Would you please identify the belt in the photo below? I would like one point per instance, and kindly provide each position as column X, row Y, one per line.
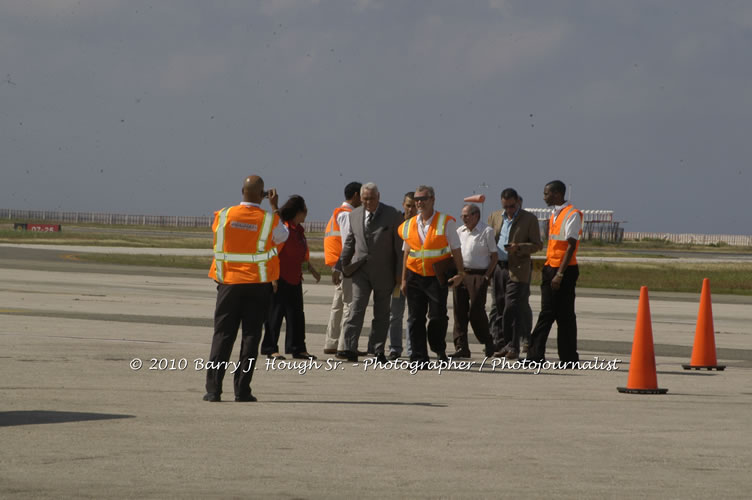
column 475, row 271
column 504, row 264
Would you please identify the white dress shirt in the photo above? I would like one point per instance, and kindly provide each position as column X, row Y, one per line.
column 477, row 245
column 279, row 233
column 572, row 225
column 450, row 230
column 343, row 221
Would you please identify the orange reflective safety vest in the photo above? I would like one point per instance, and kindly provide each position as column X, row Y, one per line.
column 244, row 251
column 557, row 241
column 434, row 248
column 333, row 237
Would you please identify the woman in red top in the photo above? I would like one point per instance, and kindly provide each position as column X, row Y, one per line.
column 287, row 302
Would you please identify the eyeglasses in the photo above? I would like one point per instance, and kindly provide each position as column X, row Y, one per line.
column 421, row 198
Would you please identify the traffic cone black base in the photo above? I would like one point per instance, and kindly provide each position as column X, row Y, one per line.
column 720, row 368
column 626, row 390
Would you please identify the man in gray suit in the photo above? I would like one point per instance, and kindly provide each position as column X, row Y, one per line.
column 372, row 257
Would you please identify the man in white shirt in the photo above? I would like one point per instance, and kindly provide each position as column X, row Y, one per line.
column 342, row 286
column 559, row 278
column 479, row 257
column 430, row 238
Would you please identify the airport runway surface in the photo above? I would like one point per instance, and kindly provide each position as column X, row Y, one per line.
column 78, row 421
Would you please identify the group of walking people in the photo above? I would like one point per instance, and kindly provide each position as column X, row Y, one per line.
column 411, row 258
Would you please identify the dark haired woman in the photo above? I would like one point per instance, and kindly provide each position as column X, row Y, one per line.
column 287, row 302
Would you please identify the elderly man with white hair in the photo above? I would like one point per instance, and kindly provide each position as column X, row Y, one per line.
column 372, row 257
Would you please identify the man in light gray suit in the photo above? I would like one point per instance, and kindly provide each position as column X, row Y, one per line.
column 372, row 257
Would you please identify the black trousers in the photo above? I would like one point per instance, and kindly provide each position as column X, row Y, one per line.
column 516, row 306
column 426, row 298
column 286, row 304
column 469, row 299
column 496, row 316
column 247, row 304
column 556, row 306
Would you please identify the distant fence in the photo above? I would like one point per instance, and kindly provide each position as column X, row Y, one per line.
column 697, row 239
column 106, row 218
column 598, row 225
column 122, row 219
column 587, row 215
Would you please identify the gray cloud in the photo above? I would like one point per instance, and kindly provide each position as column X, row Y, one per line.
column 643, row 107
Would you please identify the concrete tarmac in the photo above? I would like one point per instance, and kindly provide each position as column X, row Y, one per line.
column 78, row 421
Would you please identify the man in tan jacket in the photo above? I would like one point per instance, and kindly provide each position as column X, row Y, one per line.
column 518, row 236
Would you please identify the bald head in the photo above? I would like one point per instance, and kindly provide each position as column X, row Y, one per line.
column 253, row 189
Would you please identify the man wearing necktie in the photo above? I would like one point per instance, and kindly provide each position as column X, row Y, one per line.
column 372, row 257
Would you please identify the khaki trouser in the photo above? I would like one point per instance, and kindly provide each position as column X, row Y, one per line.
column 340, row 309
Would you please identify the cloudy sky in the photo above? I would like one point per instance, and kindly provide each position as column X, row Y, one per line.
column 163, row 107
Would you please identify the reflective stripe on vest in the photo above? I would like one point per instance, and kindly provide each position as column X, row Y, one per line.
column 441, row 225
column 571, row 211
column 423, row 254
column 406, row 229
column 557, row 241
column 260, row 258
column 333, row 236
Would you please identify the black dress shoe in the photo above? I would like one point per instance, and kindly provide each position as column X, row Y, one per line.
column 363, row 353
column 250, row 398
column 347, row 356
column 461, row 354
column 212, row 397
column 380, row 358
column 504, row 351
column 393, row 356
column 490, row 350
column 303, row 355
column 443, row 357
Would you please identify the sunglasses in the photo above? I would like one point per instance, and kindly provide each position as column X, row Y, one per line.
column 507, row 207
column 422, row 198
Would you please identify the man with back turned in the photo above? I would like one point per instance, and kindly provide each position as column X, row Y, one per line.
column 245, row 267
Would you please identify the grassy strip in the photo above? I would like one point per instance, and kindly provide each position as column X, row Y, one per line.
column 726, row 278
column 657, row 244
column 315, row 240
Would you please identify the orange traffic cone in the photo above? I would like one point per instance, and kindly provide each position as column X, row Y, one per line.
column 642, row 377
column 703, row 352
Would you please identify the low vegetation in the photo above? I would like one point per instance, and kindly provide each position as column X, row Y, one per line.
column 671, row 275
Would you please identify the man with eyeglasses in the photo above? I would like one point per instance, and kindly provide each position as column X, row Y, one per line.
column 518, row 236
column 479, row 259
column 430, row 239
